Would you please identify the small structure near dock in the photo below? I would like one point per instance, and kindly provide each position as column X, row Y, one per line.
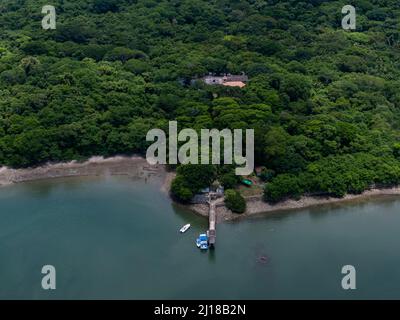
column 203, row 196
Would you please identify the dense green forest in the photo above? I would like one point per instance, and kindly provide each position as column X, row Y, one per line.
column 324, row 102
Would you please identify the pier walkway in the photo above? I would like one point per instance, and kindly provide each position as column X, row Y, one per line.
column 212, row 218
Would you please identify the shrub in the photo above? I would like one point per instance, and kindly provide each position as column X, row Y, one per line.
column 180, row 191
column 124, row 54
column 266, row 174
column 283, row 186
column 234, row 201
column 103, row 6
column 229, row 180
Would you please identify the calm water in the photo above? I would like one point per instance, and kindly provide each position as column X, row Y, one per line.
column 118, row 238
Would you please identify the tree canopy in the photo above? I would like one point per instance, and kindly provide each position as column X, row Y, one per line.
column 323, row 101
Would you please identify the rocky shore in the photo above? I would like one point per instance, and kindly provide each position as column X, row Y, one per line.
column 256, row 205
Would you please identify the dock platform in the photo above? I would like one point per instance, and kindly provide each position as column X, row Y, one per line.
column 212, row 223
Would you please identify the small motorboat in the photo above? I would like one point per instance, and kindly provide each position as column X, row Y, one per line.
column 202, row 242
column 184, row 228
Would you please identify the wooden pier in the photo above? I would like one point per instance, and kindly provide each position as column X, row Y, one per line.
column 212, row 230
column 212, row 219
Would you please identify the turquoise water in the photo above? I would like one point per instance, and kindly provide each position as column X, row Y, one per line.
column 116, row 238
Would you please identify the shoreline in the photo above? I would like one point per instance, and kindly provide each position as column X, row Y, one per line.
column 136, row 167
column 257, row 207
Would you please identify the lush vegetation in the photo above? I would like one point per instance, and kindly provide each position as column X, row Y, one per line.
column 324, row 102
column 336, row 176
column 234, row 201
column 190, row 179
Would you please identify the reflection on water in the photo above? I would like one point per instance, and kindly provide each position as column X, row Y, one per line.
column 212, row 255
column 119, row 238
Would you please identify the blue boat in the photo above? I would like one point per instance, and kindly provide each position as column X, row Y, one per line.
column 202, row 242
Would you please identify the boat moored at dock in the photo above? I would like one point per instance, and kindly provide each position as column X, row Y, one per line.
column 202, row 242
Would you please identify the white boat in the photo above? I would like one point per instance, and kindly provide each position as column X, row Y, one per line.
column 185, row 228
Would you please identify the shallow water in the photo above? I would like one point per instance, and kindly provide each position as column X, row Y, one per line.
column 117, row 238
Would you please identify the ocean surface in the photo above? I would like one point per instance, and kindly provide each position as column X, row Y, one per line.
column 118, row 238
